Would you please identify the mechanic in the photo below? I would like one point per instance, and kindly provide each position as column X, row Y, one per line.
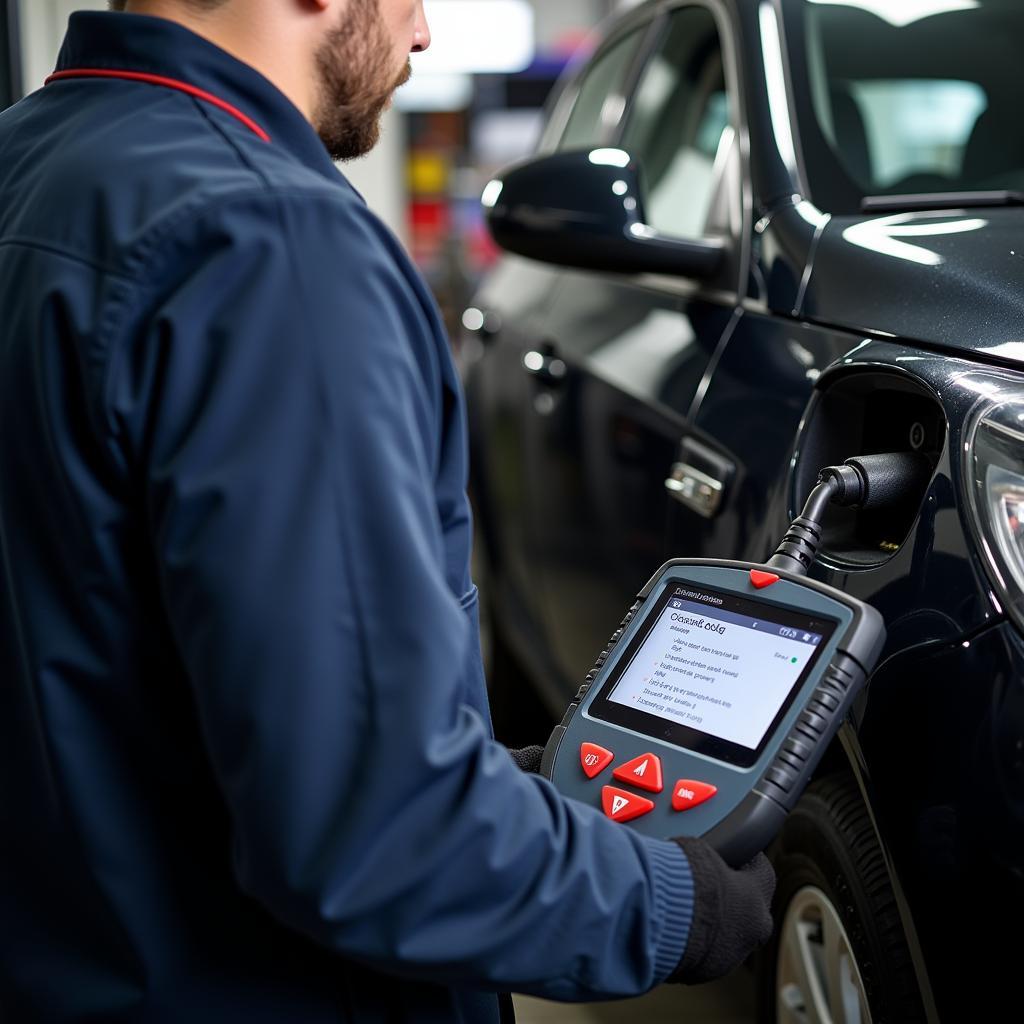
column 247, row 765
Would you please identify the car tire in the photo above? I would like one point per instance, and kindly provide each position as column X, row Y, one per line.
column 839, row 953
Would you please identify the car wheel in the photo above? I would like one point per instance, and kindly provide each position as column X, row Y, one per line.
column 839, row 954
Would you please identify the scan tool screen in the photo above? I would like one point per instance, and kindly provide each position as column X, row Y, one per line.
column 712, row 672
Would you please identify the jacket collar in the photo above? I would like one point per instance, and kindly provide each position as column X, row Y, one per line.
column 158, row 46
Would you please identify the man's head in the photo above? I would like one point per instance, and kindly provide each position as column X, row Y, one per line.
column 340, row 61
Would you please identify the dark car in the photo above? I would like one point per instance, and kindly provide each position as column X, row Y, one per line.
column 761, row 238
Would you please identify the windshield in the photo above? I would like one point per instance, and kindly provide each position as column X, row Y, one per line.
column 901, row 97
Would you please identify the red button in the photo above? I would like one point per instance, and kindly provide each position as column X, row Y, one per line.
column 643, row 771
column 762, row 579
column 622, row 806
column 594, row 759
column 687, row 793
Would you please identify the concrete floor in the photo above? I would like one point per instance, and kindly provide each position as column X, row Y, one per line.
column 720, row 1003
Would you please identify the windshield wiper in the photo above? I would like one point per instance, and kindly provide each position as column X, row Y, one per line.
column 941, row 201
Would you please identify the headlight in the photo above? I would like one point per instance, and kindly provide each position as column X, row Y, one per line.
column 994, row 473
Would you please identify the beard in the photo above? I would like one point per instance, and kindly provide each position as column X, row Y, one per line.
column 357, row 81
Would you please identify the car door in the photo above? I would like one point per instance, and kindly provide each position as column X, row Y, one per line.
column 506, row 324
column 621, row 359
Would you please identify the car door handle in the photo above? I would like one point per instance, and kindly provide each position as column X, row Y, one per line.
column 545, row 366
column 696, row 490
column 701, row 487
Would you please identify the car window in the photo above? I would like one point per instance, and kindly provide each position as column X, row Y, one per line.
column 898, row 101
column 601, row 100
column 677, row 122
column 913, row 126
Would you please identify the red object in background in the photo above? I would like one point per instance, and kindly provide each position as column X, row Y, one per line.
column 429, row 227
column 429, row 215
column 574, row 43
column 484, row 251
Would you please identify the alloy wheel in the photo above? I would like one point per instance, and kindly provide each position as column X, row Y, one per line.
column 818, row 980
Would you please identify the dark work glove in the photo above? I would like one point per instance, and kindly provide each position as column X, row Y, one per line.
column 731, row 914
column 528, row 759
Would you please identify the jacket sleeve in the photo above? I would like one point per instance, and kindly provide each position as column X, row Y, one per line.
column 277, row 405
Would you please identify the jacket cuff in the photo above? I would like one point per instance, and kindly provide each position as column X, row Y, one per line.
column 673, row 902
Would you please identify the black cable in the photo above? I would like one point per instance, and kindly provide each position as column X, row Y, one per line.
column 869, row 481
column 799, row 547
column 872, row 481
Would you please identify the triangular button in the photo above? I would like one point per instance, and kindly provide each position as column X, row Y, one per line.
column 762, row 579
column 594, row 759
column 643, row 771
column 622, row 806
column 687, row 793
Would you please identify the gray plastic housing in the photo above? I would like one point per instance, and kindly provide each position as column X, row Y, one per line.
column 751, row 803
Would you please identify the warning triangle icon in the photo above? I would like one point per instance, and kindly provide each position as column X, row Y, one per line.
column 644, row 772
column 618, row 802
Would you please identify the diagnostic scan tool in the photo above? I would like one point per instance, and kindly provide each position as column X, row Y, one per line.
column 723, row 686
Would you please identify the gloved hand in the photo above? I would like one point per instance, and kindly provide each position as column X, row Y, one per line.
column 528, row 759
column 731, row 915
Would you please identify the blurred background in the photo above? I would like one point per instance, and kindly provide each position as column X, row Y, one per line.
column 475, row 103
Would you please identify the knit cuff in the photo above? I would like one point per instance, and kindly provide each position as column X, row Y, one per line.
column 528, row 759
column 673, row 903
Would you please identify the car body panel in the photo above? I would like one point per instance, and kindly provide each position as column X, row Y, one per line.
column 606, row 437
column 501, row 421
column 965, row 266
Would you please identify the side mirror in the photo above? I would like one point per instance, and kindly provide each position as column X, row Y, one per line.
column 586, row 209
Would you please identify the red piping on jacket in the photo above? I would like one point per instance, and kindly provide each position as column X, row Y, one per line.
column 167, row 83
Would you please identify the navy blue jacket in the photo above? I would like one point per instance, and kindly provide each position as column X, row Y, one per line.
column 246, row 770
